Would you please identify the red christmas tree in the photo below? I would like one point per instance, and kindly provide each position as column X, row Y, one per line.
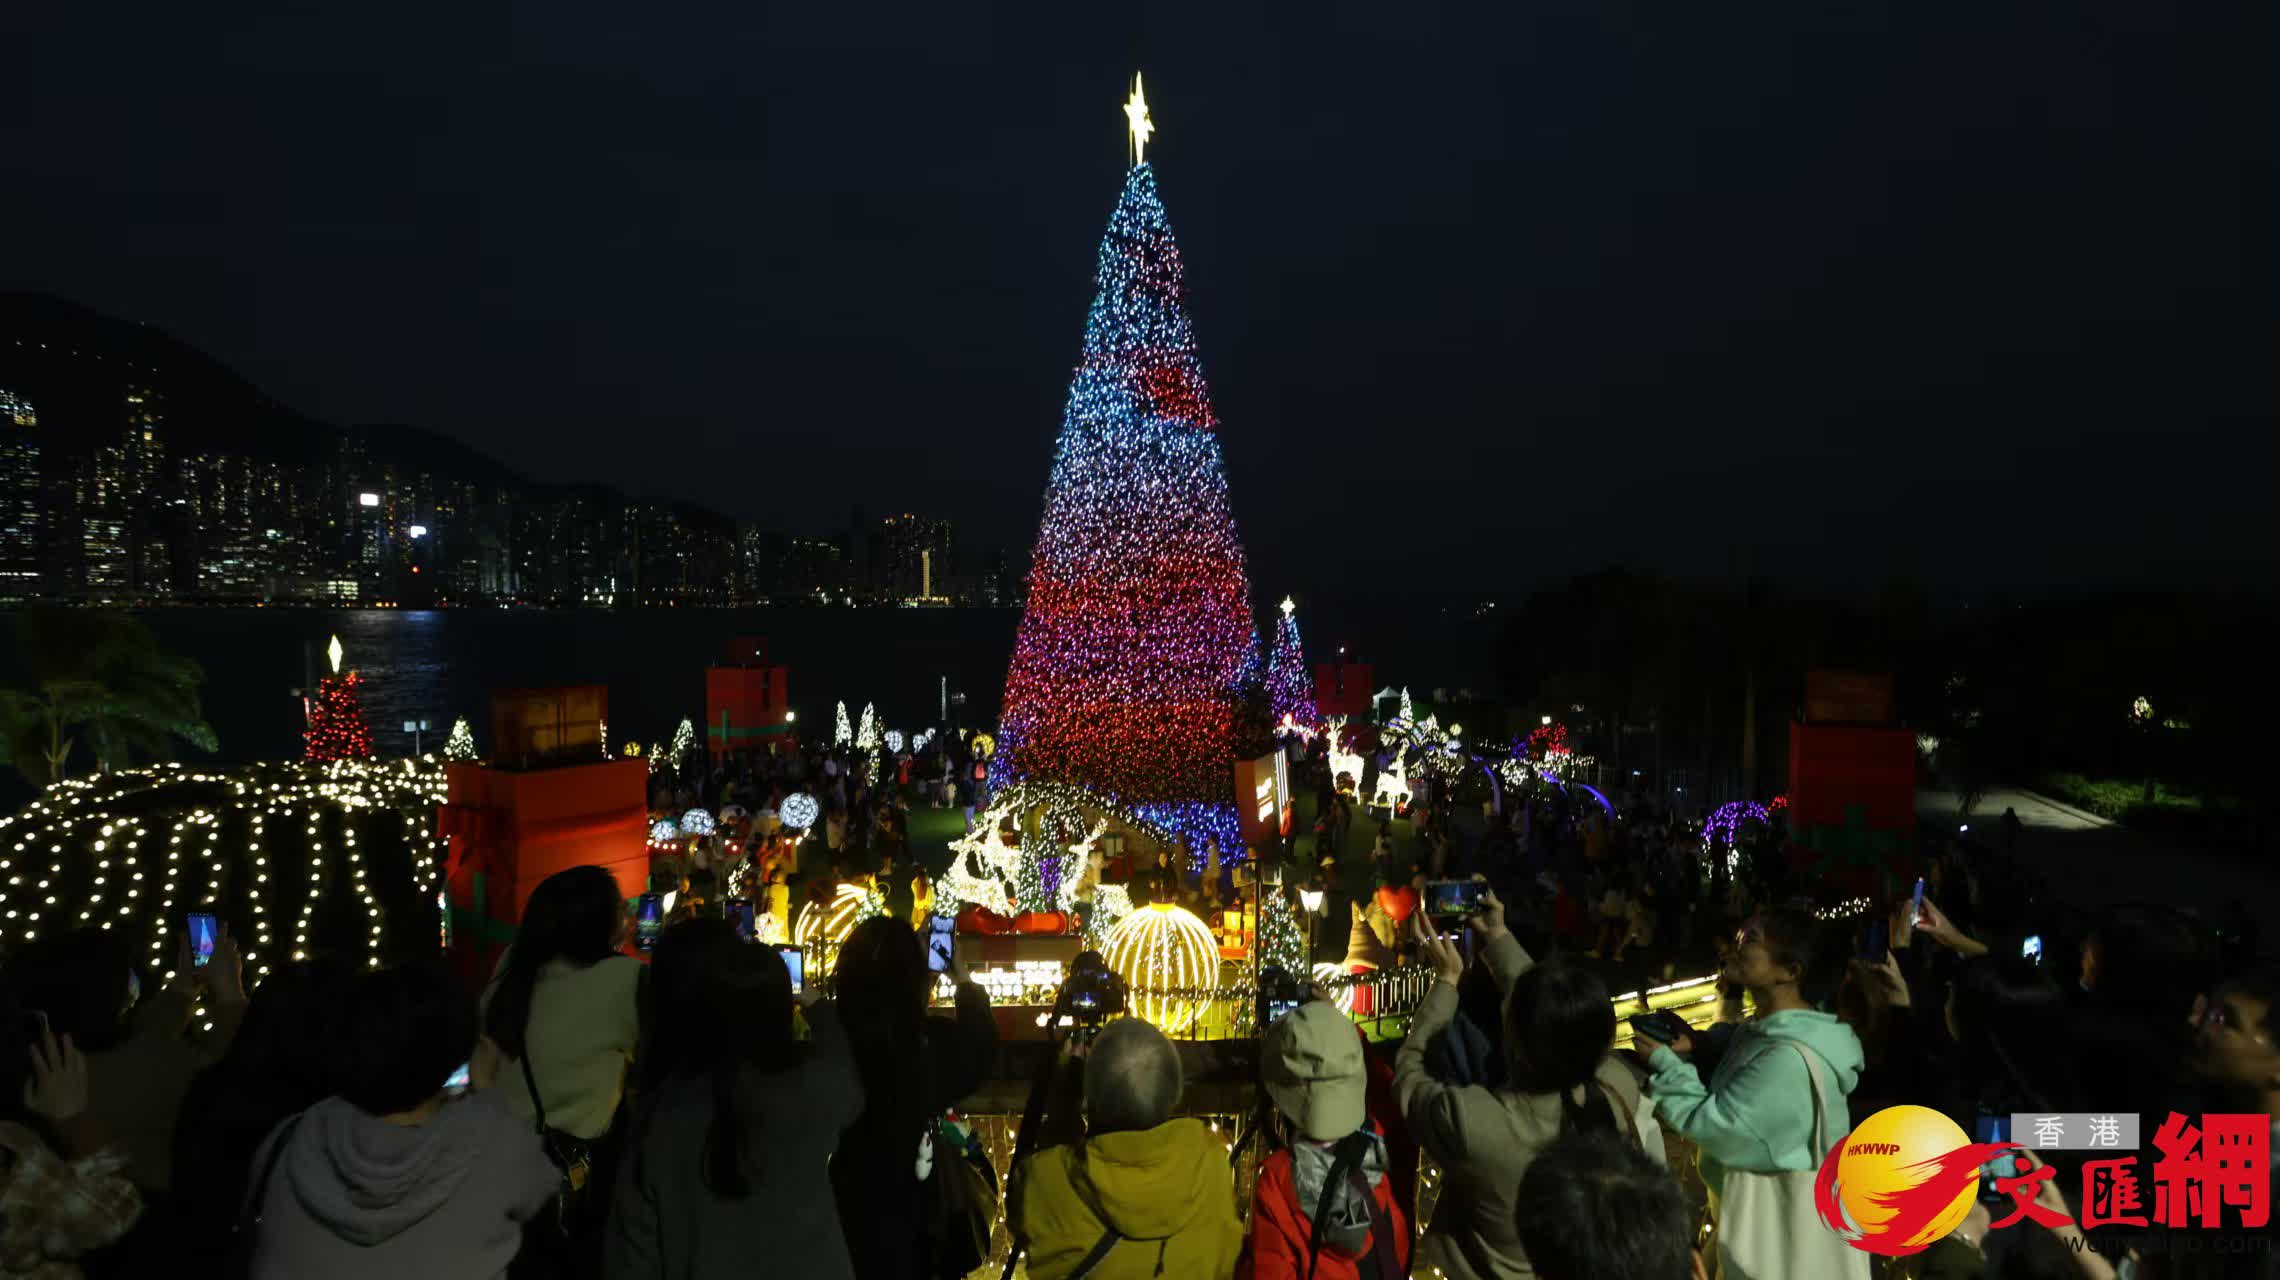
column 336, row 720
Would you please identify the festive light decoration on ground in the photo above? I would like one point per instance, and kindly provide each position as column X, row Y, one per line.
column 664, row 831
column 348, row 878
column 1342, row 760
column 697, row 822
column 1138, row 630
column 1290, row 686
column 1392, row 791
column 461, row 744
column 895, row 741
column 337, row 730
column 799, row 811
column 830, row 923
column 1158, row 950
column 1282, row 938
column 841, row 734
column 1723, row 829
column 1051, row 807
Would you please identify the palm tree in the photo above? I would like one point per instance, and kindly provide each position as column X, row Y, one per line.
column 96, row 678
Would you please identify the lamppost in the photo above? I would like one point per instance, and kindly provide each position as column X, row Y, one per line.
column 416, row 728
column 1310, row 897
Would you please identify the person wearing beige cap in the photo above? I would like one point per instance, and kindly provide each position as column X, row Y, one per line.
column 1323, row 1208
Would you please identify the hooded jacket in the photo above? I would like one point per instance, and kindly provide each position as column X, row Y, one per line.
column 353, row 1196
column 1166, row 1191
column 1282, row 1217
column 1756, row 1113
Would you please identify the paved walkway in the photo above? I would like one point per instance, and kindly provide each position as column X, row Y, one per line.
column 2091, row 863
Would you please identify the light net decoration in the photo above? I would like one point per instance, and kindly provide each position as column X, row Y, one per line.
column 1138, row 627
column 1163, row 953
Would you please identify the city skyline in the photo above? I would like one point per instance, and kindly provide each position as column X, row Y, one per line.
column 114, row 498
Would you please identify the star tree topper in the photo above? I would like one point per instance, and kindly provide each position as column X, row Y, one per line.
column 1136, row 119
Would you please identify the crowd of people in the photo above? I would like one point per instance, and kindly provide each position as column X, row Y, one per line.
column 585, row 1112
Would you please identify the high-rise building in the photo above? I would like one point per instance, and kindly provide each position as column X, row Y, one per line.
column 20, row 506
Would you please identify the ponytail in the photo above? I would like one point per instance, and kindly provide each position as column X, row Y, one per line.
column 1595, row 1114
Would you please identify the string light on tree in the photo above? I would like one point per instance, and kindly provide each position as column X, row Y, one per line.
column 684, row 743
column 461, row 744
column 1290, row 690
column 336, row 729
column 1137, row 632
column 1282, row 938
column 841, row 734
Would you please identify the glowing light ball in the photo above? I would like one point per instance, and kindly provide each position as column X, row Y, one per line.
column 895, row 741
column 1903, row 1179
column 696, row 822
column 1156, row 950
column 984, row 745
column 664, row 831
column 799, row 811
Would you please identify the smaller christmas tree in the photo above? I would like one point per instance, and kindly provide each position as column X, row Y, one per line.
column 867, row 732
column 1290, row 694
column 336, row 720
column 841, row 735
column 461, row 744
column 684, row 743
column 1282, row 939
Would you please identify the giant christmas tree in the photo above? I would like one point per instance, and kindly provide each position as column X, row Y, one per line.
column 1138, row 628
column 1290, row 691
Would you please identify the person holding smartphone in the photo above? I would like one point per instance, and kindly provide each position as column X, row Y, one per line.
column 1561, row 1077
column 141, row 1052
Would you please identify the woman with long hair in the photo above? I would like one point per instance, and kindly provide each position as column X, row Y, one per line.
column 1560, row 1077
column 912, row 1068
column 738, row 1119
column 561, row 1024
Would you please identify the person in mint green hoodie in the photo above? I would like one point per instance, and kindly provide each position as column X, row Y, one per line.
column 1756, row 1111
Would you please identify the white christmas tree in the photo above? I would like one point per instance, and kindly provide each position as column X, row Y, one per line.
column 841, row 735
column 867, row 734
column 684, row 743
column 461, row 744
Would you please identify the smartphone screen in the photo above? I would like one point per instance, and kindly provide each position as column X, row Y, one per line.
column 1875, row 941
column 740, row 918
column 941, row 938
column 796, row 961
column 203, row 931
column 2031, row 948
column 1988, row 1127
column 1277, row 1008
column 648, row 921
column 458, row 1083
column 1916, row 903
column 1452, row 897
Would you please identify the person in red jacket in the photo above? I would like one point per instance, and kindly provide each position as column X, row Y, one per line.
column 1323, row 1208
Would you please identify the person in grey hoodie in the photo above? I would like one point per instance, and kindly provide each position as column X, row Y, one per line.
column 394, row 1176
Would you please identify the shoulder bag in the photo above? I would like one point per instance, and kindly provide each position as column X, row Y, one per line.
column 1767, row 1227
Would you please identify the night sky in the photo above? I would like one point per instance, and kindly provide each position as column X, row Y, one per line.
column 1822, row 292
